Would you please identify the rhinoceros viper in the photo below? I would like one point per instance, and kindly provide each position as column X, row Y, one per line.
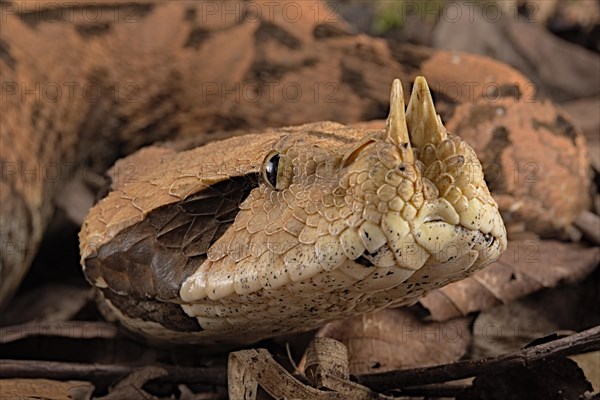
column 80, row 91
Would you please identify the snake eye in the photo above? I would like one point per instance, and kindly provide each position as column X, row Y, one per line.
column 271, row 165
column 276, row 171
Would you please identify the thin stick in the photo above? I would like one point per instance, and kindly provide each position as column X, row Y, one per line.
column 66, row 329
column 443, row 390
column 104, row 372
column 582, row 342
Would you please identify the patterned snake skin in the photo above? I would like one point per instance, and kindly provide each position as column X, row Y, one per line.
column 85, row 84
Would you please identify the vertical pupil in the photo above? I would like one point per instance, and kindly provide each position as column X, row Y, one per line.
column 271, row 170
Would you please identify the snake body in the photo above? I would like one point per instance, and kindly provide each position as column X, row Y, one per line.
column 79, row 92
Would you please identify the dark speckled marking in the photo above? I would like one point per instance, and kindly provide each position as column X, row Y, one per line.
column 221, row 123
column 444, row 104
column 269, row 30
column 190, row 14
column 356, row 81
column 128, row 12
column 324, row 31
column 5, row 55
column 196, row 37
column 481, row 113
column 560, row 127
column 411, row 58
column 362, row 260
column 505, row 90
column 500, row 140
column 491, row 155
column 90, row 30
column 262, row 72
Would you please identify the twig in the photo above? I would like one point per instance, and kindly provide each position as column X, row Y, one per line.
column 582, row 342
column 443, row 390
column 67, row 329
column 105, row 372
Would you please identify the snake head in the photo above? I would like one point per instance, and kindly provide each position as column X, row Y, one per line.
column 347, row 221
column 299, row 226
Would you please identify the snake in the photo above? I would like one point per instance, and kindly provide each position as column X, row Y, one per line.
column 281, row 229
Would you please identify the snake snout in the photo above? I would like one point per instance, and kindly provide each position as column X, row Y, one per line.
column 421, row 210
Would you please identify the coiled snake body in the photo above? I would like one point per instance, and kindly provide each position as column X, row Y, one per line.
column 263, row 234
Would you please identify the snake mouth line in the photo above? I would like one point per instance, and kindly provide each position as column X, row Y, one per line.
column 472, row 239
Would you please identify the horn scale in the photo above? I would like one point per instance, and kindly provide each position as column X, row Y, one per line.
column 422, row 120
column 419, row 124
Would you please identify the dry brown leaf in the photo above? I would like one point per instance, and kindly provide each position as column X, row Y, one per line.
column 507, row 328
column 52, row 302
column 395, row 339
column 590, row 365
column 525, row 267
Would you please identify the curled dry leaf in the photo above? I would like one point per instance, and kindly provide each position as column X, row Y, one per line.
column 249, row 369
column 392, row 339
column 525, row 267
